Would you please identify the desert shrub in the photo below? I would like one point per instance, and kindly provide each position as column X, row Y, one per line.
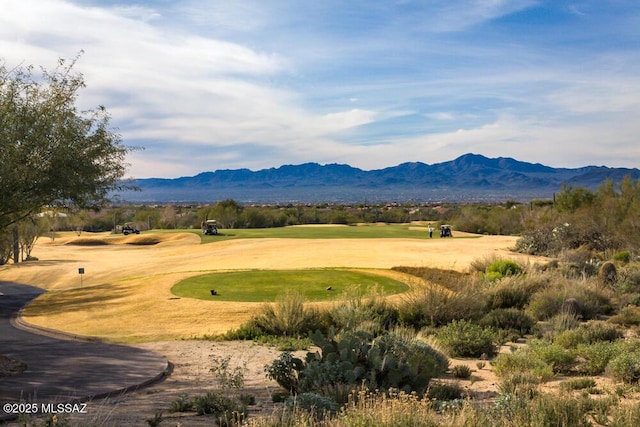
column 288, row 316
column 439, row 390
column 227, row 411
column 538, row 240
column 566, row 320
column 578, row 256
column 521, row 361
column 356, row 310
column 627, row 316
column 625, row 415
column 465, row 339
column 594, row 301
column 590, row 300
column 246, row 331
column 386, row 410
column 508, row 297
column 181, row 404
column 608, row 273
column 461, row 371
column 628, row 279
column 548, row 409
column 519, row 384
column 577, row 384
column 319, row 407
column 546, row 303
column 285, row 370
column 480, row 265
column 625, row 367
column 622, row 256
column 508, row 319
column 504, row 268
column 592, row 359
column 588, row 333
column 436, row 306
column 228, row 377
column 560, row 359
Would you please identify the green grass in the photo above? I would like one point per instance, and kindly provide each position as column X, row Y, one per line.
column 265, row 286
column 372, row 231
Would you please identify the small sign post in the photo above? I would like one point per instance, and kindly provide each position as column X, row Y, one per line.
column 81, row 272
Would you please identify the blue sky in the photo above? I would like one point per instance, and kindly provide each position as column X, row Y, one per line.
column 206, row 85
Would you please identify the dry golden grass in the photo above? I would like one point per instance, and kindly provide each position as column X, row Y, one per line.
column 124, row 294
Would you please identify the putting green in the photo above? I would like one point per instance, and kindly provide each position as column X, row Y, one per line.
column 267, row 285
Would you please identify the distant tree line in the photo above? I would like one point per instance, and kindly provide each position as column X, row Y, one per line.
column 578, row 218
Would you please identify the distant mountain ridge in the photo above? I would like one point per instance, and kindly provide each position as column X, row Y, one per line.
column 470, row 177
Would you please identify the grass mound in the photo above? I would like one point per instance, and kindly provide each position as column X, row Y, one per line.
column 266, row 285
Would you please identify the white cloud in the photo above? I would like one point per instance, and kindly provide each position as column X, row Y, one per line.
column 208, row 85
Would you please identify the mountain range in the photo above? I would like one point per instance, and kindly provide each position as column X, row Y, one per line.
column 470, row 177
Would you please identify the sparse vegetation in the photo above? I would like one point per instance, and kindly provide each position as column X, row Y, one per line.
column 574, row 318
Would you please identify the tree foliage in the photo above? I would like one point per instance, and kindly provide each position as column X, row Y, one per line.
column 50, row 152
column 608, row 218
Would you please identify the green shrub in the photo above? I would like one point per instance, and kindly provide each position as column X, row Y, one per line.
column 465, row 339
column 594, row 358
column 522, row 361
column 461, row 371
column 625, row 367
column 566, row 320
column 504, row 268
column 548, row 409
column 577, row 384
column 558, row 358
column 285, row 370
column 228, row 377
column 545, row 304
column 316, row 405
column 625, row 415
column 181, row 404
column 227, row 410
column 622, row 256
column 439, row 390
column 519, row 384
column 627, row 316
column 436, row 306
column 590, row 301
column 588, row 333
column 357, row 310
column 288, row 316
column 508, row 297
column 509, row 319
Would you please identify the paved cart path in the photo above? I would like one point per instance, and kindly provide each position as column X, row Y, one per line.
column 63, row 370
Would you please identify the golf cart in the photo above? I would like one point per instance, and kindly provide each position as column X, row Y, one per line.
column 210, row 227
column 129, row 229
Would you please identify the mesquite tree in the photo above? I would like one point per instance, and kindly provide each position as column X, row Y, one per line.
column 52, row 154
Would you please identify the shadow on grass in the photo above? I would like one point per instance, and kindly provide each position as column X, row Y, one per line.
column 80, row 299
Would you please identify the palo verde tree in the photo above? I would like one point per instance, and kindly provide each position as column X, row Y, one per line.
column 52, row 154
